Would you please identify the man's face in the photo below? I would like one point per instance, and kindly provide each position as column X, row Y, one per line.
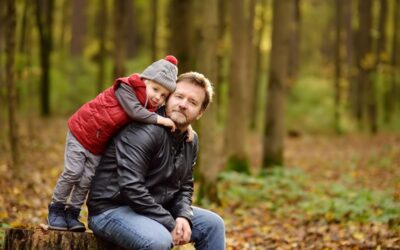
column 185, row 105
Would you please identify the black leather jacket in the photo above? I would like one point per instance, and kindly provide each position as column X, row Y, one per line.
column 149, row 169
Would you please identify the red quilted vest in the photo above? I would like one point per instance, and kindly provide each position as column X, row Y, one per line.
column 98, row 120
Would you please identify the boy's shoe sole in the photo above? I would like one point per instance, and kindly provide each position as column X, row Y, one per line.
column 77, row 229
column 58, row 228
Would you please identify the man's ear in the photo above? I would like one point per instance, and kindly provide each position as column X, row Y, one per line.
column 200, row 114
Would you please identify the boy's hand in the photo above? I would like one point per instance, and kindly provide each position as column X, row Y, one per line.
column 190, row 134
column 166, row 122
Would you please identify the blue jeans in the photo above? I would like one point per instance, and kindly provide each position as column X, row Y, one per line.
column 130, row 230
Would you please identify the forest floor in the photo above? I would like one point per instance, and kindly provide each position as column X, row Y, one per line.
column 372, row 163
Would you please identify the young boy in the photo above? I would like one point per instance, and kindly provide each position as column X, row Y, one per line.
column 133, row 98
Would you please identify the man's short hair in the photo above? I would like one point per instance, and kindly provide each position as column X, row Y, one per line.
column 200, row 80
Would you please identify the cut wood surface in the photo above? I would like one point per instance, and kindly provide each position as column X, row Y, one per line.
column 41, row 239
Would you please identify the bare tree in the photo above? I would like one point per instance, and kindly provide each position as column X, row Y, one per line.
column 102, row 18
column 11, row 84
column 258, row 63
column 119, row 42
column 221, row 54
column 211, row 159
column 238, row 115
column 2, row 70
column 154, row 30
column 278, row 83
column 78, row 27
column 181, row 27
column 338, row 65
column 366, row 87
column 295, row 42
column 130, row 30
column 44, row 19
column 393, row 91
column 250, row 54
column 381, row 50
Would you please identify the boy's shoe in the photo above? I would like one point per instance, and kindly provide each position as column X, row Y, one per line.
column 72, row 218
column 56, row 217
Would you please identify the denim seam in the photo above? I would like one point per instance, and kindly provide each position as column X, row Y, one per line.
column 146, row 242
column 204, row 233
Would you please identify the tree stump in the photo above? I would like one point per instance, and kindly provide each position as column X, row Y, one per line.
column 39, row 239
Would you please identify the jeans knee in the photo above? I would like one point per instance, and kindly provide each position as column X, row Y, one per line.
column 161, row 244
column 218, row 224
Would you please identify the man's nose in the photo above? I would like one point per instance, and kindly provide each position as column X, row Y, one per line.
column 183, row 104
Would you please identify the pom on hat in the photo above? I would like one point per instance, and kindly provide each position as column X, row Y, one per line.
column 172, row 59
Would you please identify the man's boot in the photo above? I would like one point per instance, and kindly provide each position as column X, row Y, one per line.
column 56, row 217
column 72, row 218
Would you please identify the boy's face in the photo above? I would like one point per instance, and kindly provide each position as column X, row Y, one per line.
column 156, row 93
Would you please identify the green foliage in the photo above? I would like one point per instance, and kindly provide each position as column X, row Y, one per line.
column 237, row 164
column 289, row 192
column 74, row 84
column 310, row 105
column 3, row 226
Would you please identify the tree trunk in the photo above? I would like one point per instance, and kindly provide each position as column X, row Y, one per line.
column 381, row 48
column 221, row 57
column 238, row 114
column 37, row 239
column 250, row 54
column 211, row 138
column 44, row 17
column 119, row 41
column 64, row 23
column 180, row 39
column 130, row 29
column 365, row 67
column 278, row 83
column 295, row 43
column 350, row 57
column 102, row 18
column 257, row 66
column 394, row 88
column 3, row 87
column 396, row 58
column 338, row 64
column 10, row 31
column 154, row 30
column 381, row 51
column 78, row 27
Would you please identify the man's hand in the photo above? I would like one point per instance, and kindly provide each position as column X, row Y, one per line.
column 166, row 122
column 182, row 232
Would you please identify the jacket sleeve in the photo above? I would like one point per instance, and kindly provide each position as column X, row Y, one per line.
column 183, row 200
column 131, row 105
column 134, row 150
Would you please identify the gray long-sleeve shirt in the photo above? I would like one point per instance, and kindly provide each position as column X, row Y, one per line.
column 131, row 105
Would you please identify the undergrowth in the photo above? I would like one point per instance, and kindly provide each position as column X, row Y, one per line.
column 289, row 192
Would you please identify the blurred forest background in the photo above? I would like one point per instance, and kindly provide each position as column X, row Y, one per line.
column 301, row 146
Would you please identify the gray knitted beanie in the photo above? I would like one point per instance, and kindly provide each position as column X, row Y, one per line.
column 163, row 71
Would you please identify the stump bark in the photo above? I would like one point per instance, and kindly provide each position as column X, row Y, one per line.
column 39, row 239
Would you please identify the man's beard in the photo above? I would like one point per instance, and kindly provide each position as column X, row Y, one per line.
column 178, row 117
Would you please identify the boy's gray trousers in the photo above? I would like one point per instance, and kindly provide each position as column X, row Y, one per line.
column 79, row 167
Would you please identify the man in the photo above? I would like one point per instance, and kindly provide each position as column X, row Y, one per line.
column 141, row 194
